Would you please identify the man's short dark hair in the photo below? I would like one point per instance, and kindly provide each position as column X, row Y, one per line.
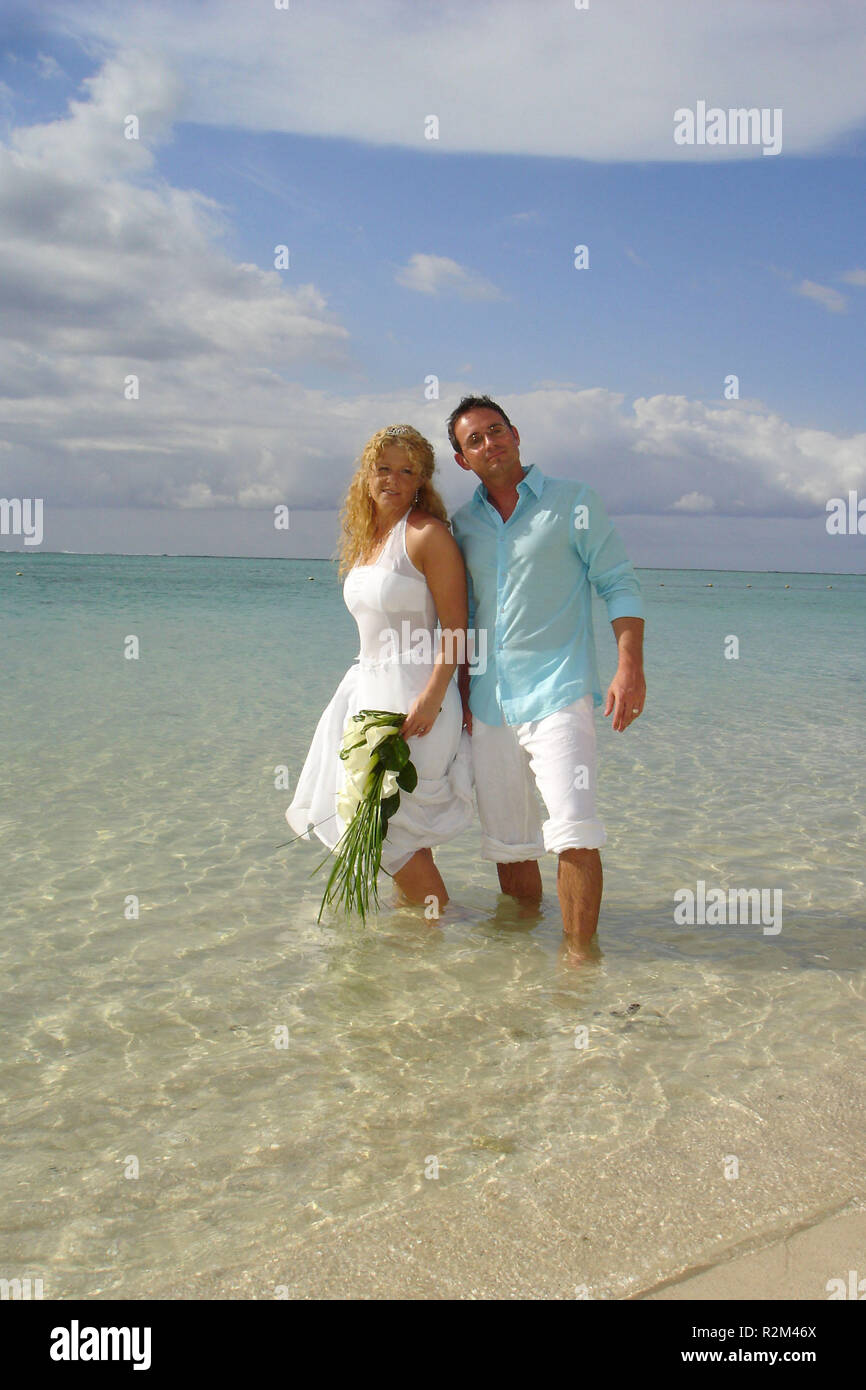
column 472, row 403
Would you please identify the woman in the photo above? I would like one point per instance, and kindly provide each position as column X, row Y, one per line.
column 403, row 570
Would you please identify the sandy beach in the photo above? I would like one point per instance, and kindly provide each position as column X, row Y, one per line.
column 566, row 1233
column 791, row 1268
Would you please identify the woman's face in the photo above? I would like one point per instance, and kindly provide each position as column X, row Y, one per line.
column 393, row 481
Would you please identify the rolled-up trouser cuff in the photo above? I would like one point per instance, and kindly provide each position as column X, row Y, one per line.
column 500, row 853
column 574, row 834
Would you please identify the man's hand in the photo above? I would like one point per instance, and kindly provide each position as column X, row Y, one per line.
column 467, row 717
column 463, row 687
column 626, row 695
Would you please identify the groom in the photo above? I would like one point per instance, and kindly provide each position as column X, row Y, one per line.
column 533, row 546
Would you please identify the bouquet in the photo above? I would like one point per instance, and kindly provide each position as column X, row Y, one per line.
column 377, row 767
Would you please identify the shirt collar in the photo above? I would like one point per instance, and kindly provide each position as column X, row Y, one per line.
column 533, row 478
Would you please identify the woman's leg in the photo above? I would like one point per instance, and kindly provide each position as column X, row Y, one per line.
column 419, row 880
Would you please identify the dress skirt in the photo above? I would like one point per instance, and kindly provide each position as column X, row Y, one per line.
column 441, row 806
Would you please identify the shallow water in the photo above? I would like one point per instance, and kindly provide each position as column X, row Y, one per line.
column 153, row 1039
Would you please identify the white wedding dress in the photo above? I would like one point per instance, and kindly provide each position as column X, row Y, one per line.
column 394, row 609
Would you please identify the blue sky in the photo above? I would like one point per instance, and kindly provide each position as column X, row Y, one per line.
column 454, row 257
column 692, row 269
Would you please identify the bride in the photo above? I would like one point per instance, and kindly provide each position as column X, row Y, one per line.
column 403, row 571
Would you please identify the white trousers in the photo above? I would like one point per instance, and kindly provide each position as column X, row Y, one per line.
column 557, row 755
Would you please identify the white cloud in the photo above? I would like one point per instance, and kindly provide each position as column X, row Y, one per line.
column 694, row 502
column 106, row 270
column 441, row 275
column 825, row 295
column 47, row 66
column 647, row 457
column 504, row 76
column 855, row 277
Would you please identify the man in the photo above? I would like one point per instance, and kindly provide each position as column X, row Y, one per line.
column 533, row 545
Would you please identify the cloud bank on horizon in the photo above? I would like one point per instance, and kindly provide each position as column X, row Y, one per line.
column 108, row 270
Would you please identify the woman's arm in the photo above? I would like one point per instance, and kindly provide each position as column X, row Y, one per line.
column 432, row 548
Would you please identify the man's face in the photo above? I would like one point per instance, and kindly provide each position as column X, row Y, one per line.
column 490, row 449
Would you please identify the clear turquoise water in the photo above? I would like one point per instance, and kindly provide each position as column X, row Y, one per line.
column 154, row 1037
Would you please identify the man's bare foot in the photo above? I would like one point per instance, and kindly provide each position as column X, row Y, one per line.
column 574, row 952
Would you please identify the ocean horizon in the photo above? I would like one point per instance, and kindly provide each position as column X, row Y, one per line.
column 303, row 559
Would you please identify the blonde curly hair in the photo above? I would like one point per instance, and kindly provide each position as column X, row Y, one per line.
column 358, row 515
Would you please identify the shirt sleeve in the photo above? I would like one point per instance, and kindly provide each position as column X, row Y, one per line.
column 600, row 547
column 470, row 594
column 470, row 602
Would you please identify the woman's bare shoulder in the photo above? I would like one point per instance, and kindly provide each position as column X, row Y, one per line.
column 422, row 521
column 429, row 542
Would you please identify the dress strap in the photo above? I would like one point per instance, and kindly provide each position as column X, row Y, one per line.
column 394, row 548
column 396, row 543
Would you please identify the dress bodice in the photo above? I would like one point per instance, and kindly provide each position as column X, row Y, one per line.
column 391, row 603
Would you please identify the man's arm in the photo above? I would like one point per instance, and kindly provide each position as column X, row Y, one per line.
column 463, row 687
column 608, row 567
column 627, row 691
column 463, row 677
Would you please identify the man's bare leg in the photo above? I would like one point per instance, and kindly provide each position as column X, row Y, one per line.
column 579, row 884
column 522, row 881
column 420, row 879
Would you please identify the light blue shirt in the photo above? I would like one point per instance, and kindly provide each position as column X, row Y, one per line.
column 529, row 589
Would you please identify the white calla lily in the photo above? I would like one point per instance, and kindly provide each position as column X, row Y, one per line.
column 379, row 733
column 366, row 783
column 358, row 761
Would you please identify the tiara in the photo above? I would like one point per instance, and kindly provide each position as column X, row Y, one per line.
column 399, row 429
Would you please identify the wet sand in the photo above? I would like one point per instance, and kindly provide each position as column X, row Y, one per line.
column 656, row 1220
column 795, row 1267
